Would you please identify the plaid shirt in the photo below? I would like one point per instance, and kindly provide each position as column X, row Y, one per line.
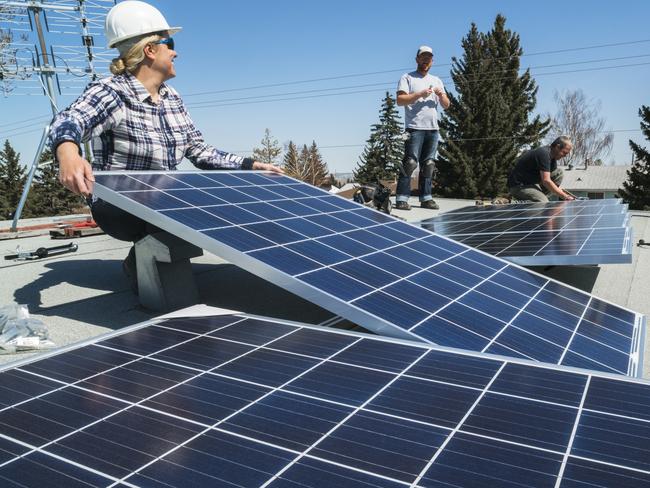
column 129, row 131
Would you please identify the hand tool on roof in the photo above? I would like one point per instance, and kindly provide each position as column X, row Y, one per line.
column 42, row 252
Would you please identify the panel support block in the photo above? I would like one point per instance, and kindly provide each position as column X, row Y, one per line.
column 165, row 280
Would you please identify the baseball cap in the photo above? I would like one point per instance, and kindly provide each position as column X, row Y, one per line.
column 424, row 49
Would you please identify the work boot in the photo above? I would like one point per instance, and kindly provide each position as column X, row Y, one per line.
column 429, row 204
column 402, row 206
column 130, row 270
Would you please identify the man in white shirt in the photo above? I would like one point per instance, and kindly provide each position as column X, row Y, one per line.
column 420, row 94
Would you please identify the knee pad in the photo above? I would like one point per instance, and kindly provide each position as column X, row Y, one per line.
column 429, row 168
column 408, row 166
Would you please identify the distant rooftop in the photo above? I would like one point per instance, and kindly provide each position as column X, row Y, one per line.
column 597, row 178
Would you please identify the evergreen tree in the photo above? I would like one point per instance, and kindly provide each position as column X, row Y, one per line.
column 306, row 165
column 636, row 190
column 488, row 123
column 12, row 180
column 385, row 147
column 292, row 163
column 316, row 167
column 460, row 126
column 331, row 180
column 50, row 197
column 270, row 150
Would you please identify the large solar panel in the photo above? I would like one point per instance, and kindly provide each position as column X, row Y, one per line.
column 386, row 275
column 555, row 233
column 234, row 400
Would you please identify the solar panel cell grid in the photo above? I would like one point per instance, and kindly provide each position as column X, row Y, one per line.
column 577, row 232
column 386, row 275
column 306, row 407
column 495, row 226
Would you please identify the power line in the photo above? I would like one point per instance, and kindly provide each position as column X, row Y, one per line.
column 216, row 104
column 199, row 103
column 242, row 100
column 354, row 75
column 3, row 136
column 286, row 83
column 476, row 80
column 23, row 127
column 245, row 101
column 343, row 146
column 41, row 117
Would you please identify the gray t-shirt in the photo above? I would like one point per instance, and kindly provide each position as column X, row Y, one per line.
column 422, row 114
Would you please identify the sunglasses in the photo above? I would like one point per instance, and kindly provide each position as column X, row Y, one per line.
column 167, row 40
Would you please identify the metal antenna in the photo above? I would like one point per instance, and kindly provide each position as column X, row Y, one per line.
column 21, row 63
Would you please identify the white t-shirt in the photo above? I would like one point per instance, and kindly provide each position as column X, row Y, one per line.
column 423, row 113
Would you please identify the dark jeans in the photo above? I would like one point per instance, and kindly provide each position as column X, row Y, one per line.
column 119, row 224
column 420, row 147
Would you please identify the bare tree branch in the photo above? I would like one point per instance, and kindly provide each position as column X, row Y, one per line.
column 579, row 119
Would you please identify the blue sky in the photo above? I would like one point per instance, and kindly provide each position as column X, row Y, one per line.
column 229, row 50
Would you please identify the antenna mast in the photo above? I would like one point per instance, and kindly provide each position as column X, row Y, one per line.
column 22, row 63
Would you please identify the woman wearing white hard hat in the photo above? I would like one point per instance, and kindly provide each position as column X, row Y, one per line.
column 133, row 118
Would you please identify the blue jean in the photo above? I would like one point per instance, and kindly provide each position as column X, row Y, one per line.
column 420, row 147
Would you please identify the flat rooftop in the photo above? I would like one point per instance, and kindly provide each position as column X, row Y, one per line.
column 84, row 294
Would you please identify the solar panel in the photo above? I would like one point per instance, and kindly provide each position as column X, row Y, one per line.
column 540, row 234
column 235, row 400
column 386, row 275
column 580, row 206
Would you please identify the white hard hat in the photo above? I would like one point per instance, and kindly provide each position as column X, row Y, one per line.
column 133, row 18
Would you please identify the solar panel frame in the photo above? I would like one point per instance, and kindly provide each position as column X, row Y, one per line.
column 527, row 389
column 583, row 232
column 535, row 205
column 317, row 290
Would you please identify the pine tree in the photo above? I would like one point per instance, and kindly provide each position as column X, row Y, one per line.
column 50, row 197
column 316, row 167
column 636, row 190
column 291, row 163
column 331, row 180
column 12, row 180
column 488, row 123
column 270, row 150
column 384, row 148
column 459, row 126
column 306, row 165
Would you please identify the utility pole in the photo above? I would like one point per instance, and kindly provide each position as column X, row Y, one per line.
column 44, row 66
column 46, row 70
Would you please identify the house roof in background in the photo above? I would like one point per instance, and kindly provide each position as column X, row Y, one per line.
column 602, row 178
